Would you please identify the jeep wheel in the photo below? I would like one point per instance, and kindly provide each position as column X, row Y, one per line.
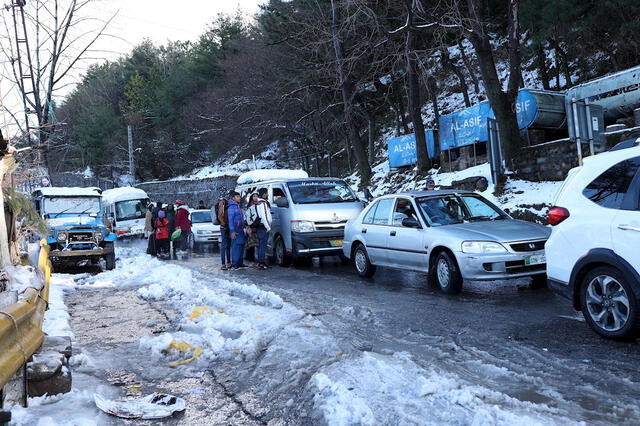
column 447, row 274
column 280, row 253
column 110, row 259
column 610, row 303
column 361, row 261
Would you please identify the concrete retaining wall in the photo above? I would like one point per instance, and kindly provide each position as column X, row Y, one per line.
column 189, row 191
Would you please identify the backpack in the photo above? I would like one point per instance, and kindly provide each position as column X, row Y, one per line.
column 254, row 218
column 216, row 209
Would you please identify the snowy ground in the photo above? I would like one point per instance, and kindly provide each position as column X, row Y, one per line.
column 283, row 355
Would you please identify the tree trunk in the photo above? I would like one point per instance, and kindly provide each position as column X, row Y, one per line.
column 346, row 86
column 470, row 69
column 402, row 114
column 449, row 66
column 541, row 60
column 415, row 103
column 432, row 86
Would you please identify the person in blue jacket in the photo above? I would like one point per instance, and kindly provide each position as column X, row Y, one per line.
column 236, row 231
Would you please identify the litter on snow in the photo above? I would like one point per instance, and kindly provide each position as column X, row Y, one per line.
column 157, row 405
column 183, row 347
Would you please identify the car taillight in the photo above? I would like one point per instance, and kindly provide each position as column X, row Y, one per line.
column 556, row 215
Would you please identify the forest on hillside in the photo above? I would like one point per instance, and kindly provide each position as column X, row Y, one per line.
column 331, row 76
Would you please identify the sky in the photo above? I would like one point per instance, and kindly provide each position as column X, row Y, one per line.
column 134, row 20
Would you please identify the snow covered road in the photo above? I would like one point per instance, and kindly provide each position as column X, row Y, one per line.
column 321, row 346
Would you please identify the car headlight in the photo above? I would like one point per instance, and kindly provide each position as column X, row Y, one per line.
column 61, row 237
column 98, row 236
column 201, row 232
column 302, row 226
column 482, row 247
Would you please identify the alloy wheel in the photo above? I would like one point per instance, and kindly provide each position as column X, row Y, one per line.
column 608, row 303
column 279, row 252
column 361, row 260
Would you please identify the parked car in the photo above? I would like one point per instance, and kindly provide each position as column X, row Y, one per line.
column 594, row 249
column 77, row 225
column 203, row 229
column 308, row 214
column 451, row 235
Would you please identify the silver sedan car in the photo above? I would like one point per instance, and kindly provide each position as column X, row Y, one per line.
column 451, row 235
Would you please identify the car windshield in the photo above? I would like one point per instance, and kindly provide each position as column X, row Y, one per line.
column 452, row 209
column 318, row 191
column 71, row 205
column 131, row 209
column 201, row 217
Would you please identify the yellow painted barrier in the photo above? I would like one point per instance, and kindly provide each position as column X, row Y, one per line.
column 21, row 323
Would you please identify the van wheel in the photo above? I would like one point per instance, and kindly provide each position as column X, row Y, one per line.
column 447, row 274
column 361, row 261
column 610, row 303
column 280, row 253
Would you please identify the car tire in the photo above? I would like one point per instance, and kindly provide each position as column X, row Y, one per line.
column 609, row 303
column 539, row 281
column 446, row 274
column 280, row 253
column 361, row 262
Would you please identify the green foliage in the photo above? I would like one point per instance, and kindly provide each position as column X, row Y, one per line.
column 23, row 209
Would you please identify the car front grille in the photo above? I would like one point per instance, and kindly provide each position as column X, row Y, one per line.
column 80, row 237
column 329, row 226
column 528, row 246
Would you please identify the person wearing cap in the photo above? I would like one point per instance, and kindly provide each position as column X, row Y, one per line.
column 182, row 221
column 431, row 185
column 236, row 230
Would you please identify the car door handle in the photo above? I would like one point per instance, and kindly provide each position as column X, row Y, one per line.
column 364, row 230
column 392, row 233
column 629, row 228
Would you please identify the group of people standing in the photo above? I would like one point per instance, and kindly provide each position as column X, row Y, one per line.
column 160, row 224
column 243, row 231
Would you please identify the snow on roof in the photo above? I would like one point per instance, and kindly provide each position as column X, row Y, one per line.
column 270, row 174
column 68, row 191
column 123, row 194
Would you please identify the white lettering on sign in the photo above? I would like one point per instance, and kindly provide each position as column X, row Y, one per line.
column 469, row 122
column 523, row 106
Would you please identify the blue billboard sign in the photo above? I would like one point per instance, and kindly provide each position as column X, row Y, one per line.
column 469, row 125
column 402, row 150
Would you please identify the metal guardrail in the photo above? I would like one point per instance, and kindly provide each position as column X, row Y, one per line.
column 21, row 323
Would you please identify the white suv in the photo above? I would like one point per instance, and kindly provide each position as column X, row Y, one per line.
column 593, row 254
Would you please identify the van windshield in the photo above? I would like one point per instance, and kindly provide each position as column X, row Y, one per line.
column 320, row 191
column 131, row 209
column 71, row 205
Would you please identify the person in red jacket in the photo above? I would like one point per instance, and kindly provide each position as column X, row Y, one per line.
column 183, row 222
column 162, row 234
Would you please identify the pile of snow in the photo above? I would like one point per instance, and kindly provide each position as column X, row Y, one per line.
column 270, row 174
column 70, row 191
column 23, row 277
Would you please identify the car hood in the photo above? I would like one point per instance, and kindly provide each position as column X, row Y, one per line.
column 205, row 226
column 64, row 222
column 330, row 212
column 498, row 230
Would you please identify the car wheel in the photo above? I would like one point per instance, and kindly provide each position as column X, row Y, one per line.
column 609, row 303
column 539, row 281
column 447, row 274
column 361, row 261
column 280, row 252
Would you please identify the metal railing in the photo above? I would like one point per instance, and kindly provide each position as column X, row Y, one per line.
column 21, row 323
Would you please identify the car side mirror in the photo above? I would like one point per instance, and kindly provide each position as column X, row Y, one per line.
column 410, row 222
column 282, row 202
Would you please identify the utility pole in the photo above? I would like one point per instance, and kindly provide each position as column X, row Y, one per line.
column 131, row 163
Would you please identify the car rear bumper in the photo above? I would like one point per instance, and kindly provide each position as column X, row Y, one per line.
column 497, row 267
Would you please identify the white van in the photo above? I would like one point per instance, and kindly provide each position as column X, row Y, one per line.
column 309, row 214
column 126, row 208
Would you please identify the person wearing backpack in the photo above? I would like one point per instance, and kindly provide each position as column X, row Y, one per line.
column 260, row 222
column 220, row 217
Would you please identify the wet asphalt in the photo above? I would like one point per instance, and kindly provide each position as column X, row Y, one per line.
column 504, row 335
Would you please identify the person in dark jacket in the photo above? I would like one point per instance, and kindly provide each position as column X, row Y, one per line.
column 183, row 222
column 201, row 205
column 236, row 230
column 225, row 240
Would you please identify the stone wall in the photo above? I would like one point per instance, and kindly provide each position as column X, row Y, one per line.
column 189, row 191
column 77, row 179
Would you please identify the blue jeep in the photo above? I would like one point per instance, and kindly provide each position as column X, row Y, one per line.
column 77, row 224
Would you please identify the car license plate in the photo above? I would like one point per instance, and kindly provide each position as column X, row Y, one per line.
column 335, row 243
column 535, row 259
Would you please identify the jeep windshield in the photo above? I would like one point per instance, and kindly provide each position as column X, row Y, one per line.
column 452, row 209
column 54, row 206
column 320, row 191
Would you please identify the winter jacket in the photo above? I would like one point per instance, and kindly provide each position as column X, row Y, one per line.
column 235, row 217
column 148, row 224
column 182, row 219
column 223, row 219
column 162, row 228
column 172, row 221
column 260, row 210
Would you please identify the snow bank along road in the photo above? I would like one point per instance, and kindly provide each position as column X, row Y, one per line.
column 321, row 346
